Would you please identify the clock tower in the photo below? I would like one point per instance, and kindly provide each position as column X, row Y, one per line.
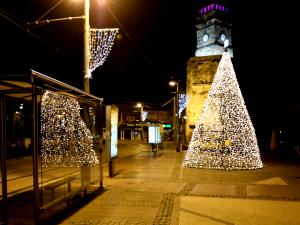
column 213, row 28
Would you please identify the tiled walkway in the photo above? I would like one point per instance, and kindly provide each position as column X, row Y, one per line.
column 158, row 190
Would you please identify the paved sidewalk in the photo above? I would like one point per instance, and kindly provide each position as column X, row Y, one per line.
column 156, row 190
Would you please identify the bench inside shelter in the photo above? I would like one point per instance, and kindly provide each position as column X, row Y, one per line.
column 52, row 186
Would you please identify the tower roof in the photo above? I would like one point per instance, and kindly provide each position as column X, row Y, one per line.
column 213, row 7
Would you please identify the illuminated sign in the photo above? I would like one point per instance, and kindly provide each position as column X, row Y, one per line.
column 167, row 125
column 154, row 136
column 112, row 130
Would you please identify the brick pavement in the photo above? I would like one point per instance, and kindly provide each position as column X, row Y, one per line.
column 158, row 190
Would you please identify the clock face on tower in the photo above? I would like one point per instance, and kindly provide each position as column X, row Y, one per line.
column 205, row 37
column 223, row 37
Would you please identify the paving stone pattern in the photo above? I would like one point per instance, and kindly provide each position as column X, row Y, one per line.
column 164, row 214
column 147, row 188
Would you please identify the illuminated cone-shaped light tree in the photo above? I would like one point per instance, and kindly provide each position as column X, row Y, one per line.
column 224, row 137
column 66, row 141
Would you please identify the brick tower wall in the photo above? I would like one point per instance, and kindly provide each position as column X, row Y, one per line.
column 200, row 74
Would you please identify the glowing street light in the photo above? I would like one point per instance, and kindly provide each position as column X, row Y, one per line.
column 173, row 83
column 97, row 45
column 86, row 30
column 96, row 42
column 140, row 105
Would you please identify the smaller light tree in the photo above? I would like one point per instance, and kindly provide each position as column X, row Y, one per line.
column 65, row 139
column 224, row 137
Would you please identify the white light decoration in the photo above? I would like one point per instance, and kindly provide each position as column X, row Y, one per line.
column 65, row 139
column 224, row 137
column 226, row 43
column 183, row 101
column 144, row 115
column 100, row 44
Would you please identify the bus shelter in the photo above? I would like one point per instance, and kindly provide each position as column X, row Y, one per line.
column 51, row 153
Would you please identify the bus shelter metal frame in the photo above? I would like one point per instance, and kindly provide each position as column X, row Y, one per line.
column 28, row 86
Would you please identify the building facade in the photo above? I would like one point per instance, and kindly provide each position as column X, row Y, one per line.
column 131, row 127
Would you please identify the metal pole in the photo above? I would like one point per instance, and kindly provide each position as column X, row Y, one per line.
column 174, row 118
column 177, row 117
column 85, row 171
column 35, row 124
column 101, row 145
column 3, row 160
column 86, row 31
column 142, row 111
column 142, row 125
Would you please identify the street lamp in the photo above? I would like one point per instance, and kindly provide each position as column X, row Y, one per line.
column 176, row 113
column 86, row 30
column 90, row 62
column 96, row 46
column 140, row 105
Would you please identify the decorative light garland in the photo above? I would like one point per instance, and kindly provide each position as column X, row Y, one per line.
column 224, row 137
column 100, row 44
column 66, row 141
column 144, row 115
column 183, row 101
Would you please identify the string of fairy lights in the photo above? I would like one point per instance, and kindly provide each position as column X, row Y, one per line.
column 183, row 100
column 100, row 44
column 65, row 139
column 224, row 137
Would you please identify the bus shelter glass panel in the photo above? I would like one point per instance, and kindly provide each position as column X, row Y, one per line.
column 1, row 193
column 154, row 134
column 69, row 150
column 1, row 160
column 19, row 160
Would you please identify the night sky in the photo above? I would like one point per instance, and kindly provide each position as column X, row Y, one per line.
column 155, row 41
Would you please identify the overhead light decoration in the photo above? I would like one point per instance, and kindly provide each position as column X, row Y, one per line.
column 224, row 137
column 65, row 139
column 144, row 115
column 226, row 43
column 183, row 100
column 100, row 44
